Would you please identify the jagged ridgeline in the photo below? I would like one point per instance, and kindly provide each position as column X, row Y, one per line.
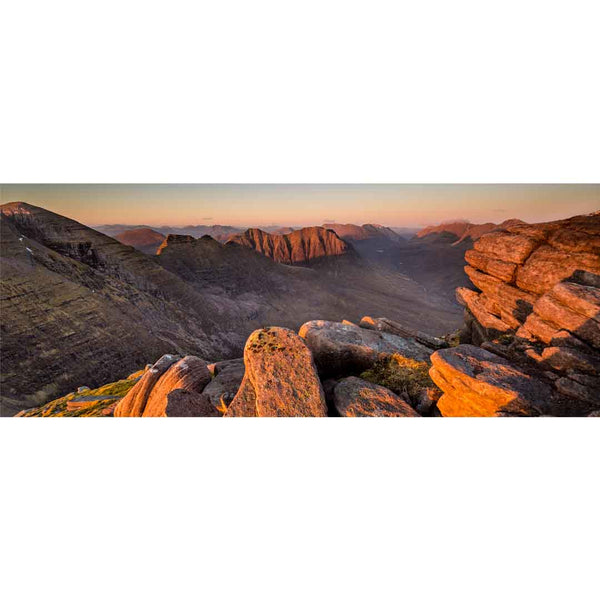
column 80, row 308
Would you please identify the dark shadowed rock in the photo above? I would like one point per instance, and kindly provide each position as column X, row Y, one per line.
column 340, row 349
column 280, row 379
column 185, row 403
column 226, row 382
column 564, row 358
column 355, row 397
column 477, row 383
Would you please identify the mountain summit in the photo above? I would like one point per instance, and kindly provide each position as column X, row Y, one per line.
column 302, row 247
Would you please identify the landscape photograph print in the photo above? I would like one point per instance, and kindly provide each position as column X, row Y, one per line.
column 300, row 300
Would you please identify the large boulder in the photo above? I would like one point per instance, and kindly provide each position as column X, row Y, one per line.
column 342, row 349
column 477, row 383
column 149, row 397
column 280, row 378
column 355, row 397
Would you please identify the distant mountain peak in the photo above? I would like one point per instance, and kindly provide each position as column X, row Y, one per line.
column 302, row 246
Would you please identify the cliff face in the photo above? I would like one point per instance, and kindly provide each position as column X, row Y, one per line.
column 538, row 307
column 302, row 247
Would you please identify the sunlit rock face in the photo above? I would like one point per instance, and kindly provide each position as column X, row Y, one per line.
column 355, row 397
column 537, row 305
column 280, row 378
column 171, row 387
column 301, row 247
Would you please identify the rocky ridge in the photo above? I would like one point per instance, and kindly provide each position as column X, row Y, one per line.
column 537, row 311
column 301, row 247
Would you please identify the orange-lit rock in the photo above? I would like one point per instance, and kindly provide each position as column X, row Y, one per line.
column 149, row 397
column 280, row 378
column 355, row 397
column 477, row 383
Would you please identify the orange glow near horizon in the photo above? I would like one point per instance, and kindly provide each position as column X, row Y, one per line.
column 306, row 204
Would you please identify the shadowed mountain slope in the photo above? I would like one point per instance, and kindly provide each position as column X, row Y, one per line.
column 78, row 307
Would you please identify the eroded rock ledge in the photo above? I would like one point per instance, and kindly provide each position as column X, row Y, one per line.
column 537, row 311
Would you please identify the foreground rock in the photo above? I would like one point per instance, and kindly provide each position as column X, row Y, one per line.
column 355, row 397
column 228, row 376
column 152, row 395
column 397, row 329
column 550, row 269
column 280, row 378
column 343, row 349
column 477, row 383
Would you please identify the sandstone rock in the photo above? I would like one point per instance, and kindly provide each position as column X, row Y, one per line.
column 580, row 298
column 516, row 301
column 491, row 326
column 428, row 399
column 562, row 317
column 498, row 268
column 476, row 382
column 535, row 328
column 134, row 402
column 576, row 241
column 186, row 403
column 83, row 388
column 582, row 398
column 280, row 378
column 548, row 266
column 506, row 246
column 486, row 283
column 226, row 382
column 355, row 397
column 149, row 396
column 395, row 328
column 563, row 359
column 189, row 374
column 345, row 349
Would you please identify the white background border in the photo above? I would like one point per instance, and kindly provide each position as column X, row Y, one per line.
column 291, row 92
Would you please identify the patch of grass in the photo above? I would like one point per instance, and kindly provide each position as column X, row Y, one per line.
column 400, row 374
column 93, row 408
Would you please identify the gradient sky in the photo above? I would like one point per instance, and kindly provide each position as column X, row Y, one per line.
column 306, row 204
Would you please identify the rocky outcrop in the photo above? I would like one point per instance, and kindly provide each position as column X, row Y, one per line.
column 541, row 269
column 154, row 394
column 341, row 349
column 301, row 247
column 477, row 383
column 539, row 305
column 355, row 397
column 280, row 378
